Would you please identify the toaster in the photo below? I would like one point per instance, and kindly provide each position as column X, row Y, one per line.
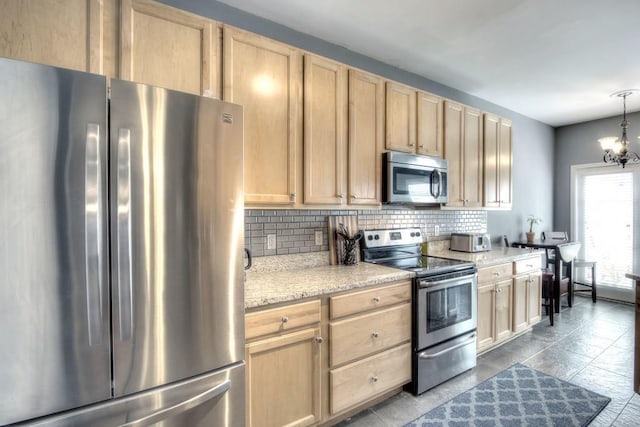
column 470, row 242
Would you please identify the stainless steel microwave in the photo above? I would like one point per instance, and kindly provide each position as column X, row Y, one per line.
column 413, row 179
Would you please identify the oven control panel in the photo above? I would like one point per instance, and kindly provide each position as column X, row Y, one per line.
column 382, row 238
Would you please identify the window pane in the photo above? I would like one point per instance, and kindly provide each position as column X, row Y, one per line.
column 605, row 225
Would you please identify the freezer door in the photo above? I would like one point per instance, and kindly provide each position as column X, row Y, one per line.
column 54, row 299
column 177, row 235
column 216, row 399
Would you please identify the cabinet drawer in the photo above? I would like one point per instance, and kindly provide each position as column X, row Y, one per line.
column 359, row 381
column 281, row 319
column 369, row 333
column 357, row 302
column 494, row 273
column 527, row 265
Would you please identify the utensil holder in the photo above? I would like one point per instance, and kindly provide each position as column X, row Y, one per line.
column 349, row 255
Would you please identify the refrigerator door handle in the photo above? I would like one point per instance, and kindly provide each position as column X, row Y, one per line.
column 181, row 407
column 92, row 233
column 124, row 234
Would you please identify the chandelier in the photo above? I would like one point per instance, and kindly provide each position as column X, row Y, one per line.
column 616, row 151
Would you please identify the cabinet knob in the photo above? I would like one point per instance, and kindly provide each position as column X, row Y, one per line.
column 497, row 274
column 319, row 340
column 375, row 334
column 353, row 196
column 421, row 145
column 374, row 379
column 376, row 300
column 411, row 144
column 292, row 197
column 341, row 196
column 499, row 290
column 285, row 319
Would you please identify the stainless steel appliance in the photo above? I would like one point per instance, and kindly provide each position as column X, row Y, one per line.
column 470, row 242
column 121, row 253
column 445, row 315
column 414, row 179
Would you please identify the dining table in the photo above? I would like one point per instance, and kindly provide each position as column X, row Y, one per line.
column 549, row 246
column 540, row 243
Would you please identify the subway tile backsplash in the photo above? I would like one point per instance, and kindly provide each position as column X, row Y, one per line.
column 295, row 229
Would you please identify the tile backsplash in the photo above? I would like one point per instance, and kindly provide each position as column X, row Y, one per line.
column 293, row 231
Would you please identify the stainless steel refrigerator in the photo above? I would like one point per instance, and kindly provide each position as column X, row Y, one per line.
column 121, row 252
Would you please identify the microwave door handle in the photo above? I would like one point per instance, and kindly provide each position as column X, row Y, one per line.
column 438, row 187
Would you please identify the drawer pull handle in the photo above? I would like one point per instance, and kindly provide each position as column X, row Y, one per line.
column 529, row 265
column 374, row 379
column 375, row 335
column 319, row 340
column 376, row 300
column 285, row 319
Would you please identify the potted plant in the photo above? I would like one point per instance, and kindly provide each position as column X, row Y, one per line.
column 532, row 219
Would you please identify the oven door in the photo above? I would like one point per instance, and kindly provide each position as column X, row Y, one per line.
column 446, row 308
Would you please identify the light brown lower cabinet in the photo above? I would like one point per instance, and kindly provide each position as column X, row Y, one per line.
column 296, row 376
column 284, row 368
column 509, row 298
column 359, row 381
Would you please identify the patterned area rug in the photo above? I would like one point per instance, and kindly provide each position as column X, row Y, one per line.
column 517, row 396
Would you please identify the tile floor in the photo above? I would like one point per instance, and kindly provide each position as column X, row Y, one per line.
column 590, row 345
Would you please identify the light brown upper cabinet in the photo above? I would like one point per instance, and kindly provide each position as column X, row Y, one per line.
column 414, row 120
column 400, row 117
column 463, row 150
column 366, row 131
column 429, row 124
column 325, row 131
column 167, row 47
column 498, row 184
column 75, row 34
column 265, row 77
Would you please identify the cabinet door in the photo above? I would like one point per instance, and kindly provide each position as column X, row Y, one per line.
column 505, row 164
column 453, row 134
column 366, row 95
column 75, row 34
column 429, row 124
column 534, row 298
column 472, row 169
column 400, row 118
column 325, row 131
column 265, row 77
column 283, row 379
column 491, row 158
column 167, row 47
column 504, row 309
column 486, row 316
column 520, row 306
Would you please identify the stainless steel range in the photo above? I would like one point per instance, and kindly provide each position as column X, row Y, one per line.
column 444, row 305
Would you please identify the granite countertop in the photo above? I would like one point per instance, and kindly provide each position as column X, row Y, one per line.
column 271, row 287
column 483, row 259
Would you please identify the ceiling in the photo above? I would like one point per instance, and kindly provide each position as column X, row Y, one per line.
column 554, row 61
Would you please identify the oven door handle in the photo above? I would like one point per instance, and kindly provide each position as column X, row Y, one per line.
column 425, row 355
column 427, row 283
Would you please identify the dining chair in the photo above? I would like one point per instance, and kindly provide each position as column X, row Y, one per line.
column 547, row 293
column 553, row 235
column 566, row 253
column 578, row 263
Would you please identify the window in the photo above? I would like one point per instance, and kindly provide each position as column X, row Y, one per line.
column 605, row 219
